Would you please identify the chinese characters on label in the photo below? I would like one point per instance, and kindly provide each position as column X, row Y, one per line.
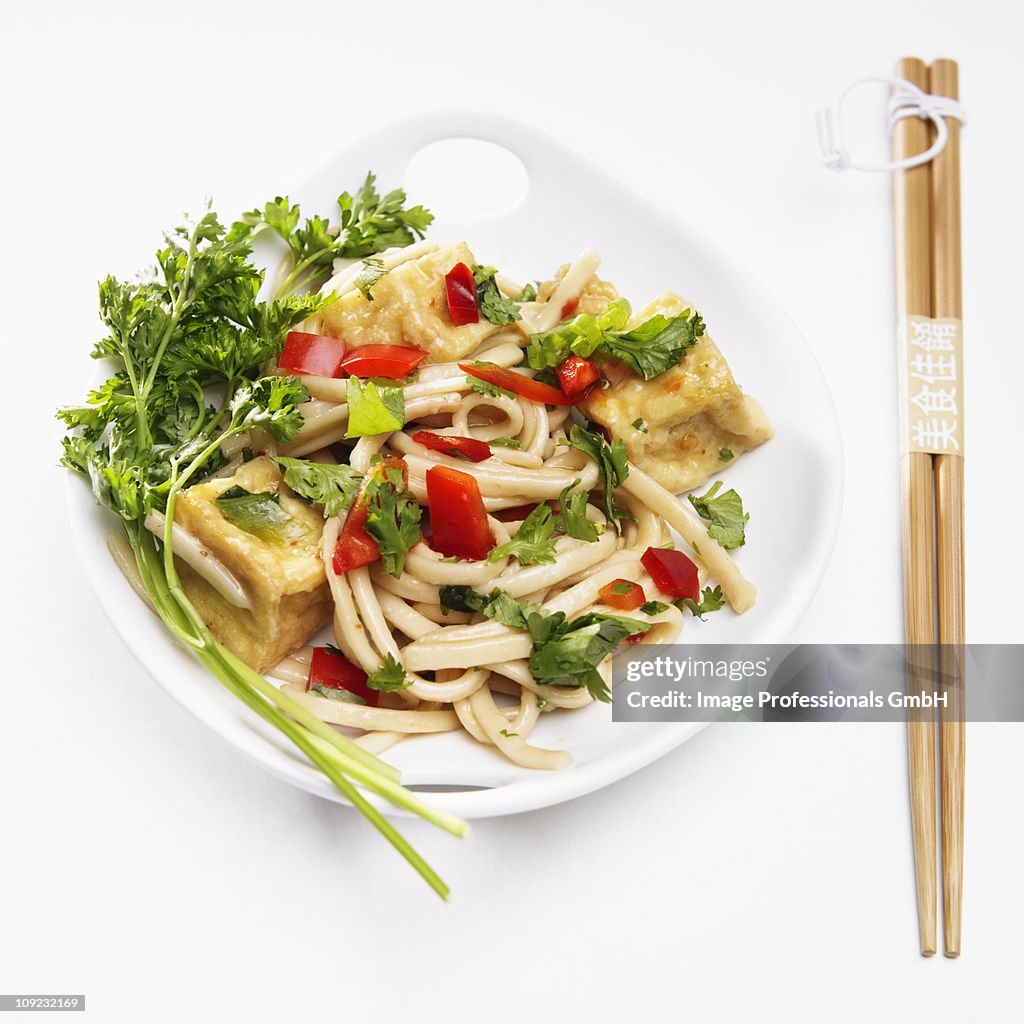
column 931, row 367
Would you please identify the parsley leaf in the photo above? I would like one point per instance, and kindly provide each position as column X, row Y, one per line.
column 389, row 677
column 572, row 519
column 712, row 601
column 497, row 605
column 372, row 271
column 392, row 517
column 492, row 304
column 638, row 424
column 334, row 487
column 570, row 656
column 656, row 345
column 504, row 442
column 654, row 607
column 611, row 460
column 271, row 403
column 372, row 223
column 564, row 653
column 368, row 223
column 650, row 349
column 725, row 513
column 725, row 454
column 532, row 544
column 375, row 406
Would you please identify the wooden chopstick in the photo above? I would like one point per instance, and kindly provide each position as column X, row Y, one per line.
column 949, row 506
column 912, row 230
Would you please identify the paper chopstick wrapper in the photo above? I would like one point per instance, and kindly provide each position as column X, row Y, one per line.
column 931, row 367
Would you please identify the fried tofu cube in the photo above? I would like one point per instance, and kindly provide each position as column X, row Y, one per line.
column 409, row 307
column 691, row 412
column 283, row 578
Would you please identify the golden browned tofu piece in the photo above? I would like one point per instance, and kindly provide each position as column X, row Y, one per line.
column 691, row 412
column 409, row 307
column 283, row 579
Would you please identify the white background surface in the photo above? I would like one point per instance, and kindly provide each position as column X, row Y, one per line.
column 756, row 872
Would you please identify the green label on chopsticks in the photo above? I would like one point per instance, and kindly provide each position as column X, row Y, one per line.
column 931, row 364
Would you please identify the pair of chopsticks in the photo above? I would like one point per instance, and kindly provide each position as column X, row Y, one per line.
column 927, row 234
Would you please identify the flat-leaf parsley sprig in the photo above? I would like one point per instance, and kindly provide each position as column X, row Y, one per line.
column 186, row 344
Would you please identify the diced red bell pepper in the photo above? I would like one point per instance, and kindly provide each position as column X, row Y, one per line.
column 517, row 383
column 391, row 361
column 673, row 573
column 576, row 376
column 635, row 638
column 355, row 547
column 623, row 594
column 460, row 288
column 313, row 354
column 457, row 516
column 453, row 444
column 335, row 672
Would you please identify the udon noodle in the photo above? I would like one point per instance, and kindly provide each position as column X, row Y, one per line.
column 467, row 672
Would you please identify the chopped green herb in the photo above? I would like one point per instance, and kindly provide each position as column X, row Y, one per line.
column 657, row 344
column 260, row 514
column 725, row 454
column 338, row 693
column 508, row 735
column 529, row 293
column 375, row 406
column 654, row 607
column 712, row 601
column 532, row 544
column 504, row 442
column 486, row 388
column 247, row 454
column 372, row 271
column 612, row 462
column 572, row 519
column 492, row 304
column 369, row 223
column 392, row 517
column 570, row 654
column 725, row 514
column 334, row 487
column 449, row 558
column 622, row 587
column 389, row 677
column 497, row 605
column 564, row 653
column 542, row 704
column 650, row 349
column 638, row 424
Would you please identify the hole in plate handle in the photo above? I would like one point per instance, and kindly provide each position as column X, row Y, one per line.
column 466, row 179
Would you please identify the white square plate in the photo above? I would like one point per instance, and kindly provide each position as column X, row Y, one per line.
column 791, row 486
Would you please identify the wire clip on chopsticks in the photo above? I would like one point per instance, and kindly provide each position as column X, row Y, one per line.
column 909, row 101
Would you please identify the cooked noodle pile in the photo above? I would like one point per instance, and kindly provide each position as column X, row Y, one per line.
column 465, row 671
column 459, row 663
